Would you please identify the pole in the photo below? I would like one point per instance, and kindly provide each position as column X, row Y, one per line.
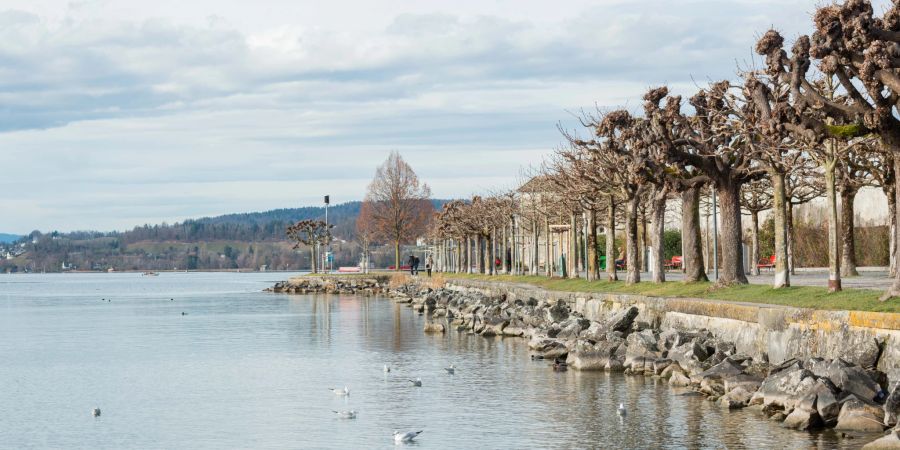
column 325, row 266
column 715, row 236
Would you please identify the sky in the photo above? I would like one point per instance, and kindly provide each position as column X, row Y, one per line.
column 118, row 113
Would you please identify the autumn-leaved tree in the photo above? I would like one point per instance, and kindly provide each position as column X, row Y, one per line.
column 311, row 233
column 400, row 205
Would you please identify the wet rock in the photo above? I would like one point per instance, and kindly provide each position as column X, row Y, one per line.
column 679, row 379
column 736, row 398
column 434, row 327
column 588, row 356
column 748, row 382
column 888, row 441
column 859, row 415
column 614, row 365
column 803, row 419
column 660, row 365
column 641, row 344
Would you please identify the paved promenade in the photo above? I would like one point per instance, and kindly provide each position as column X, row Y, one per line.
column 869, row 278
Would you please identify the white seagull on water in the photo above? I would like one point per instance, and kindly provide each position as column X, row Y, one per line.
column 346, row 414
column 417, row 382
column 621, row 411
column 451, row 370
column 342, row 392
column 405, row 438
column 387, row 368
column 96, row 412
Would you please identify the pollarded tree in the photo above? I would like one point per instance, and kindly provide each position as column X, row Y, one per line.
column 858, row 49
column 311, row 233
column 854, row 172
column 400, row 204
column 707, row 142
column 619, row 152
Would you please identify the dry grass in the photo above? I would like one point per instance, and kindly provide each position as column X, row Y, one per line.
column 399, row 279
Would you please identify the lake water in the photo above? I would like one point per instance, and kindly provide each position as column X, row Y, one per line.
column 247, row 369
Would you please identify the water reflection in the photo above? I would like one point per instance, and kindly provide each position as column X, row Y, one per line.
column 251, row 370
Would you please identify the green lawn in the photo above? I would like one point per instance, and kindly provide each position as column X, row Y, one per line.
column 797, row 296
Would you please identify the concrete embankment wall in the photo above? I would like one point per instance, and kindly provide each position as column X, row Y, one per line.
column 772, row 332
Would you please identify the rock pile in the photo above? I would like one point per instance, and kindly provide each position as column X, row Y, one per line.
column 355, row 285
column 802, row 394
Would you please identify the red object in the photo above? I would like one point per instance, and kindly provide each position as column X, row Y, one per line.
column 674, row 263
column 767, row 263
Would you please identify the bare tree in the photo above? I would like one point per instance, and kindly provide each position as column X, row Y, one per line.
column 756, row 197
column 400, row 204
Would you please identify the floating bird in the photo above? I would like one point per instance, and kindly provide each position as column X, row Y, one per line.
column 346, row 414
column 450, row 370
column 560, row 365
column 96, row 412
column 621, row 411
column 387, row 368
column 342, row 392
column 537, row 357
column 405, row 438
column 171, row 299
column 417, row 382
column 183, row 313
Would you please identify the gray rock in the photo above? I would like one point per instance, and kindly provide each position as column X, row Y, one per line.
column 736, row 398
column 784, row 387
column 859, row 415
column 679, row 379
column 847, row 377
column 622, row 320
column 892, row 406
column 803, row 419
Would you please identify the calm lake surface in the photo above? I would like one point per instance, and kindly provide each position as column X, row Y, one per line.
column 247, row 369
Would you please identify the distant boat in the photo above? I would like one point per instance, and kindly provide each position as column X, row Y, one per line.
column 150, row 274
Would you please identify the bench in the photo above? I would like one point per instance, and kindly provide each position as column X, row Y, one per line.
column 766, row 263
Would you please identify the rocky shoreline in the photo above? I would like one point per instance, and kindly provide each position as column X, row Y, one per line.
column 349, row 285
column 801, row 393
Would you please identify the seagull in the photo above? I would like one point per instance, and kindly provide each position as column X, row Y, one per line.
column 346, row 414
column 405, row 438
column 96, row 412
column 342, row 392
column 417, row 382
column 386, row 368
column 621, row 411
column 450, row 370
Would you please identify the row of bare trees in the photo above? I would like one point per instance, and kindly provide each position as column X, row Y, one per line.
column 818, row 119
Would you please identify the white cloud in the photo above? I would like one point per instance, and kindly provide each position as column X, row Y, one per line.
column 116, row 113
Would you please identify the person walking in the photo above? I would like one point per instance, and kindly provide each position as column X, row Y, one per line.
column 412, row 264
column 428, row 264
column 416, row 265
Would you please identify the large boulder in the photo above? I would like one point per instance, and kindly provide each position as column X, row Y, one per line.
column 785, row 387
column 641, row 344
column 859, row 415
column 736, row 398
column 586, row 356
column 558, row 312
column 622, row 320
column 690, row 356
column 847, row 377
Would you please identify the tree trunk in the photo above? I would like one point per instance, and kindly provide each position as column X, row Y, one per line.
column 469, row 254
column 892, row 212
column 834, row 249
column 789, row 219
column 572, row 260
column 732, row 270
column 312, row 259
column 754, row 243
column 642, row 241
column 397, row 255
column 611, row 253
column 535, row 251
column 590, row 266
column 691, row 241
column 657, row 235
column 633, row 272
column 848, row 241
column 894, row 146
column 782, row 271
column 504, row 249
column 548, row 249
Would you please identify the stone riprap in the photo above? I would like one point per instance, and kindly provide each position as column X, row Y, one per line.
column 808, row 369
column 334, row 284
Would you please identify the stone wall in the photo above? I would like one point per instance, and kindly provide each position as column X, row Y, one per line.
column 766, row 332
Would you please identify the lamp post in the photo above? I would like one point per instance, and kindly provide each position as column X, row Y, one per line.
column 327, row 246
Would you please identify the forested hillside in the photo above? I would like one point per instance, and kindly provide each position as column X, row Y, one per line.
column 232, row 241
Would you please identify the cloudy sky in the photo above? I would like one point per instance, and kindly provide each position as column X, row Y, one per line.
column 115, row 113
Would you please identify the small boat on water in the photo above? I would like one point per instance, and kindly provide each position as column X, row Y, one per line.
column 150, row 274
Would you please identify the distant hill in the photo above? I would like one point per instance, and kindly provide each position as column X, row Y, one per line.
column 8, row 238
column 231, row 241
